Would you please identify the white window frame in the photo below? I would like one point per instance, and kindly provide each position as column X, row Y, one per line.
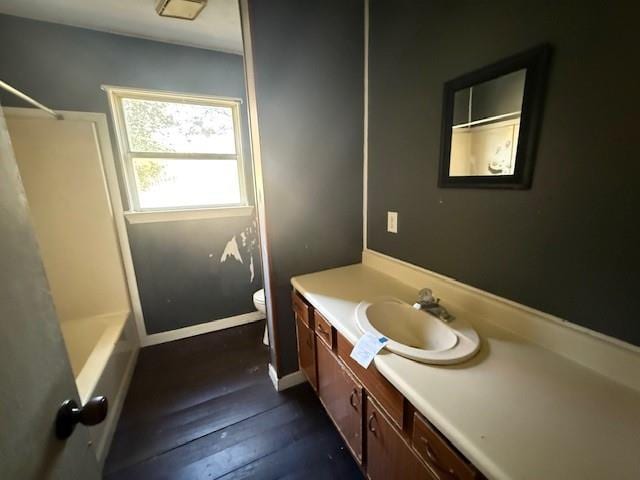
column 136, row 214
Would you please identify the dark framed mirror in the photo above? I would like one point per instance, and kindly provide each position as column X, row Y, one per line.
column 490, row 122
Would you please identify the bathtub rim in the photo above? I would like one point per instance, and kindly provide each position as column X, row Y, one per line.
column 95, row 364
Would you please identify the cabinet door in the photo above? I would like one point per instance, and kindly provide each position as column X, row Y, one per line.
column 388, row 455
column 377, row 386
column 307, row 352
column 341, row 396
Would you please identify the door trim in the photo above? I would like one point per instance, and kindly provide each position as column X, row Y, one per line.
column 256, row 157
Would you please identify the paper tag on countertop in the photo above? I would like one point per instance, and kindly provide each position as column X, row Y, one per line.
column 367, row 347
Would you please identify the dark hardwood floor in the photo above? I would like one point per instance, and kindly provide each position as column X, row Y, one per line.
column 205, row 408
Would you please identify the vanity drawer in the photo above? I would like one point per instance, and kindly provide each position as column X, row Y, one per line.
column 387, row 396
column 324, row 330
column 301, row 309
column 445, row 462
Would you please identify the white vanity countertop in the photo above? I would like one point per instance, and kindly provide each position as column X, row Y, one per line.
column 516, row 410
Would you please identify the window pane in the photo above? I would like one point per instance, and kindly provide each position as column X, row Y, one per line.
column 165, row 183
column 154, row 126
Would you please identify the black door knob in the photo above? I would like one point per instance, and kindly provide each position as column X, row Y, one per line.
column 69, row 415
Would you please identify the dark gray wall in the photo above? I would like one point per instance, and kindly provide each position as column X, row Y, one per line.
column 309, row 81
column 64, row 67
column 568, row 246
column 180, row 274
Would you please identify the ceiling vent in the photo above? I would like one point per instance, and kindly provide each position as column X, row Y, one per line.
column 185, row 9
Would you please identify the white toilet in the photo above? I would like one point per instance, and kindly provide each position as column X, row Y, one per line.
column 259, row 302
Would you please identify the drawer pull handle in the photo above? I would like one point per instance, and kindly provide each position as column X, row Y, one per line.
column 321, row 329
column 370, row 425
column 352, row 399
column 435, row 462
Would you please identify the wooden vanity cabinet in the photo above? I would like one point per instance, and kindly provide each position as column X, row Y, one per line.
column 388, row 454
column 342, row 398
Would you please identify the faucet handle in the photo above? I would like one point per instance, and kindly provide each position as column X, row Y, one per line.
column 426, row 296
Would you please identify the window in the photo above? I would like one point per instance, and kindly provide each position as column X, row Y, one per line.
column 179, row 151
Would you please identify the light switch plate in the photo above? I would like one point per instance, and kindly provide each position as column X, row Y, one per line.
column 392, row 222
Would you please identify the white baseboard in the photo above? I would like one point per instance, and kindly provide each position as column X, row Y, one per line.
column 287, row 381
column 211, row 326
column 609, row 356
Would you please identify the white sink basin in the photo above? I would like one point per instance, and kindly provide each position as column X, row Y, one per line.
column 416, row 334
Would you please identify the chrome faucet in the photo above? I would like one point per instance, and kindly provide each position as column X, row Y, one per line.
column 427, row 302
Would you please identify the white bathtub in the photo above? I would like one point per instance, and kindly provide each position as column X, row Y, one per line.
column 102, row 351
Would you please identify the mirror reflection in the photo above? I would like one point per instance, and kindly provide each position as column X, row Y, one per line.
column 486, row 124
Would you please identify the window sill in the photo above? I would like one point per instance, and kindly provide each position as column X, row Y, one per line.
column 192, row 214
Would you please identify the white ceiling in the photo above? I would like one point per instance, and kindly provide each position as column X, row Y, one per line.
column 217, row 27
